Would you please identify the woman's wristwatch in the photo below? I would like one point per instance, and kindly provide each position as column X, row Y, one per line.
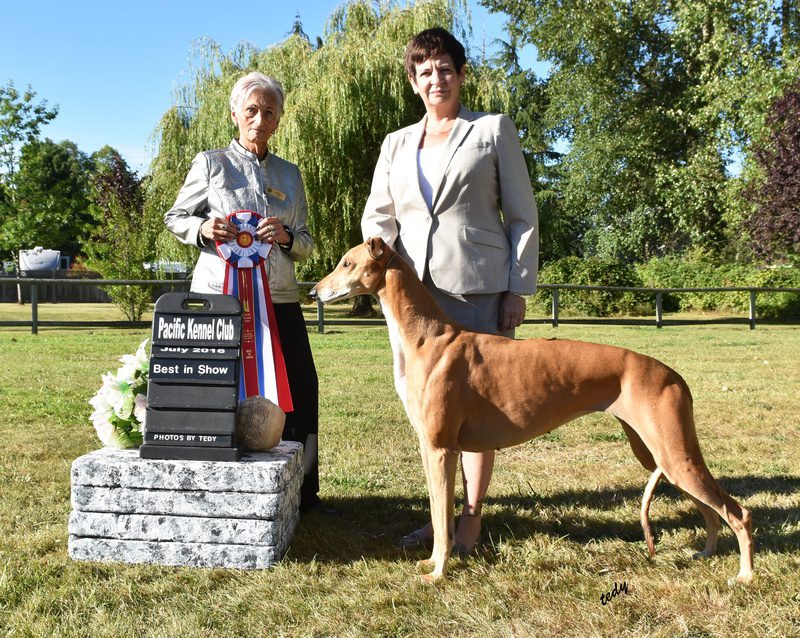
column 287, row 246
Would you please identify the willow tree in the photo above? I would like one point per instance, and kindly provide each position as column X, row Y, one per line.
column 342, row 97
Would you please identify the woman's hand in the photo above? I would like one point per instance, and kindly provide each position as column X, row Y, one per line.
column 512, row 311
column 217, row 229
column 272, row 231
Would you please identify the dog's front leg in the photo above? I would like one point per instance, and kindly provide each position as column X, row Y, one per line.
column 398, row 357
column 423, row 452
column 441, row 463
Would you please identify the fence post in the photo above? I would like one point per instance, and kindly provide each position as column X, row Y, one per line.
column 752, row 309
column 320, row 317
column 34, row 309
column 659, row 311
column 555, row 307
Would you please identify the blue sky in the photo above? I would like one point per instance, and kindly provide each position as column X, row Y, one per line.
column 112, row 66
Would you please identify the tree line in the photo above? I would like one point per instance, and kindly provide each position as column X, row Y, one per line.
column 90, row 207
column 669, row 116
column 663, row 130
column 665, row 106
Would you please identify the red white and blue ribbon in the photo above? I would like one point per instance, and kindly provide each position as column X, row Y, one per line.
column 263, row 369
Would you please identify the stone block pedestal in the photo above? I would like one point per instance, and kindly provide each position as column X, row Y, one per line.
column 193, row 513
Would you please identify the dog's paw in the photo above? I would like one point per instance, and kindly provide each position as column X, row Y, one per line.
column 430, row 579
column 741, row 579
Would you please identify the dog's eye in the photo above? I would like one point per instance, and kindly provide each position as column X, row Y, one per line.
column 347, row 263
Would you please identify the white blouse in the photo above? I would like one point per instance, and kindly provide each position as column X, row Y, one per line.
column 429, row 168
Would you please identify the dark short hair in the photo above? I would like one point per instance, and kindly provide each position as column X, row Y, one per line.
column 435, row 41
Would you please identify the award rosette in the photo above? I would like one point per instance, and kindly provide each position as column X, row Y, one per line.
column 263, row 365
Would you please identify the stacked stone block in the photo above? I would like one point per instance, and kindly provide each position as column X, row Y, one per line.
column 193, row 513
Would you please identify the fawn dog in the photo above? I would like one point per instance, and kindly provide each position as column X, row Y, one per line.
column 476, row 392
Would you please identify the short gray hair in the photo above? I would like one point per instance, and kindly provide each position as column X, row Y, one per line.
column 253, row 82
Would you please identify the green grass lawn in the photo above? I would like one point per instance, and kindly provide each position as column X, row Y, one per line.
column 561, row 522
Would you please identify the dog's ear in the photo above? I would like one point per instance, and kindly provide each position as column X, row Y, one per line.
column 375, row 245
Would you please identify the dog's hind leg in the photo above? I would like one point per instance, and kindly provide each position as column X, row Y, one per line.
column 696, row 481
column 647, row 497
column 712, row 527
column 639, row 448
column 710, row 517
column 648, row 462
column 685, row 468
column 672, row 441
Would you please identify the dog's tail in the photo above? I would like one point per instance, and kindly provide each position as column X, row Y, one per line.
column 655, row 477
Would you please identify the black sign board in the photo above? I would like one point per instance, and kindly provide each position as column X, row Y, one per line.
column 191, row 320
column 193, row 386
column 192, row 397
column 191, row 421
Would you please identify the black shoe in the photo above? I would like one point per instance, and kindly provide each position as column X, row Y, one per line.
column 422, row 537
column 315, row 504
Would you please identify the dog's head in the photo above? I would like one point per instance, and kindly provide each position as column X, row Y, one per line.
column 359, row 272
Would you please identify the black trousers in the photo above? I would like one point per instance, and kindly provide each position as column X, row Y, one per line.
column 303, row 423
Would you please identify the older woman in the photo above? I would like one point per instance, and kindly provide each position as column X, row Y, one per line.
column 246, row 176
column 452, row 194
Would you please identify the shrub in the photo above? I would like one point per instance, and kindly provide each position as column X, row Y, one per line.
column 592, row 271
column 677, row 272
column 668, row 272
column 781, row 305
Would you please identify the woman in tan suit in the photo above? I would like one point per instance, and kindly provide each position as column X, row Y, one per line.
column 452, row 195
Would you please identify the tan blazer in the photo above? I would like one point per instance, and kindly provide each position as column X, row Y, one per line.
column 481, row 235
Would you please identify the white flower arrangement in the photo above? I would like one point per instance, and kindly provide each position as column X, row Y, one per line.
column 120, row 403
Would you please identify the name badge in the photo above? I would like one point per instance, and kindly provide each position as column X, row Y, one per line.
column 276, row 193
